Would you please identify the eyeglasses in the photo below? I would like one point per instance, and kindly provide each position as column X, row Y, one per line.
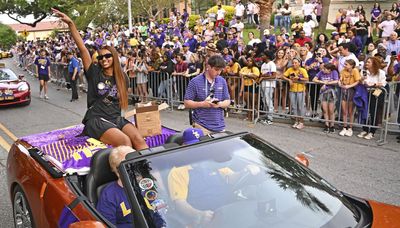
column 107, row 56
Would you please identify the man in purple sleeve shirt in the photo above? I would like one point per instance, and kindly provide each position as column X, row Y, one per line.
column 207, row 94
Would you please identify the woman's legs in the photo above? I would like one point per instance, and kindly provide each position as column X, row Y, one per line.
column 344, row 113
column 41, row 86
column 331, row 113
column 325, row 108
column 144, row 91
column 136, row 139
column 115, row 137
column 350, row 113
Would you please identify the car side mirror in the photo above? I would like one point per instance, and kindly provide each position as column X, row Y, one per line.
column 82, row 224
column 302, row 159
column 21, row 77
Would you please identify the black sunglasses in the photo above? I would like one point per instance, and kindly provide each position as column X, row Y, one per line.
column 107, row 56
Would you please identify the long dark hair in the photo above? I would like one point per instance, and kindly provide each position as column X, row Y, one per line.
column 119, row 78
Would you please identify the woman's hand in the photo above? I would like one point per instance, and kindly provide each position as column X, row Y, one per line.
column 62, row 16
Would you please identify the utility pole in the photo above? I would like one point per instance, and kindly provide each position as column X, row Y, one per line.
column 129, row 16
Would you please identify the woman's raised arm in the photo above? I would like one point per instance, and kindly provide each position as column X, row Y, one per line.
column 86, row 59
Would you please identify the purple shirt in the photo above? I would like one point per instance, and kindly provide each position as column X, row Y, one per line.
column 199, row 89
column 114, row 205
column 43, row 65
column 376, row 12
column 332, row 76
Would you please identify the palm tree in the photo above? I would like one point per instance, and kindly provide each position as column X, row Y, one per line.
column 265, row 14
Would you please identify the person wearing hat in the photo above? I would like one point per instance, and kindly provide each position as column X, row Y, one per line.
column 207, row 94
column 42, row 63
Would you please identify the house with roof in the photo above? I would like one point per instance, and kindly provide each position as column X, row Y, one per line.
column 41, row 31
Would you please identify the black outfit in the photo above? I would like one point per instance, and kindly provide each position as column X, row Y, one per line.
column 73, row 85
column 221, row 44
column 376, row 105
column 103, row 111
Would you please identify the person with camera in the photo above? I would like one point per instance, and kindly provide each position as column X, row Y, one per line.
column 297, row 76
column 208, row 95
column 375, row 80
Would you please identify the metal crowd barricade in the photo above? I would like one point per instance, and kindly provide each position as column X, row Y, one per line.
column 158, row 87
column 392, row 115
column 377, row 118
column 178, row 86
column 241, row 102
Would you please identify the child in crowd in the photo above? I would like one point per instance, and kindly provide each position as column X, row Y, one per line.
column 349, row 78
column 328, row 77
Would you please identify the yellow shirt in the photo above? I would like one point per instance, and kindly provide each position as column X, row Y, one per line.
column 348, row 78
column 178, row 181
column 301, row 72
column 233, row 69
column 246, row 70
column 133, row 42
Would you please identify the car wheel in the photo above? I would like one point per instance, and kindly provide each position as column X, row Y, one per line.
column 21, row 210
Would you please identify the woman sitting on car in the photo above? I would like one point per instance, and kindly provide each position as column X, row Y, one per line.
column 107, row 95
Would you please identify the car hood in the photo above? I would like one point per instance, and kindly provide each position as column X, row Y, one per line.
column 384, row 215
column 11, row 84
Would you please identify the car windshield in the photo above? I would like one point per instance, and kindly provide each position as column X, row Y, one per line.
column 235, row 182
column 7, row 75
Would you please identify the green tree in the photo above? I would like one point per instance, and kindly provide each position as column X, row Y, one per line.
column 7, row 36
column 40, row 9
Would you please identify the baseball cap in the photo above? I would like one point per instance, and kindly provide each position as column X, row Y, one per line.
column 186, row 44
column 192, row 135
column 334, row 33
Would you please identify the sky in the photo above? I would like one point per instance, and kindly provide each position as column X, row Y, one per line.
column 7, row 20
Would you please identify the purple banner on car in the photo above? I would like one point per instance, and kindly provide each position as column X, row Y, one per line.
column 74, row 150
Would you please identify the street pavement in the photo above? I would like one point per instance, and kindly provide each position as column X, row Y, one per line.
column 353, row 165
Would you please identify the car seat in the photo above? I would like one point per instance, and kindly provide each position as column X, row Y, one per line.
column 100, row 174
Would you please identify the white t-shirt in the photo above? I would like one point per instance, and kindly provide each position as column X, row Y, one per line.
column 239, row 10
column 308, row 27
column 254, row 41
column 221, row 14
column 375, row 79
column 388, row 27
column 250, row 8
column 266, row 68
column 239, row 27
column 343, row 59
column 308, row 9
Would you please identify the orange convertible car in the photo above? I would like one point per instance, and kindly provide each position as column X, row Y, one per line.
column 225, row 180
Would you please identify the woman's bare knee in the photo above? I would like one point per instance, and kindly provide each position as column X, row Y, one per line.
column 115, row 137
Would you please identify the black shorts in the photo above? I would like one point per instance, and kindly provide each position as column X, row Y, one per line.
column 44, row 77
column 96, row 127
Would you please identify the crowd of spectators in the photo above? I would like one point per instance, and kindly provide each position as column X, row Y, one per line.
column 293, row 68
